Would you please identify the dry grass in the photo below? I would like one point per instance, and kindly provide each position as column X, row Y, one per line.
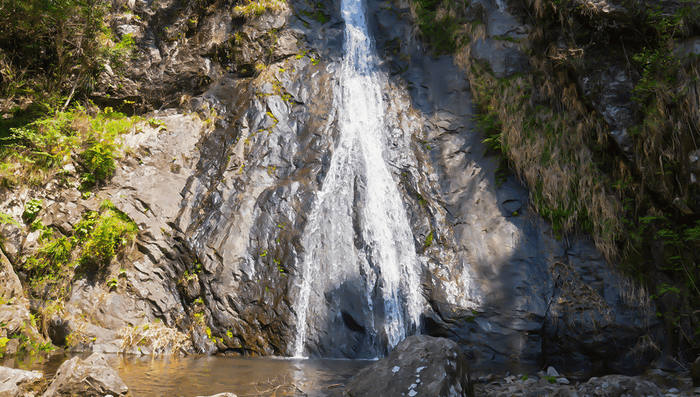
column 577, row 297
column 156, row 336
column 548, row 144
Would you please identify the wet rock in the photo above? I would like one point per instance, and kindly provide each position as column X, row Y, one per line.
column 89, row 377
column 695, row 372
column 611, row 385
column 504, row 57
column 419, row 366
column 617, row 385
column 662, row 379
column 689, row 47
column 20, row 383
column 201, row 341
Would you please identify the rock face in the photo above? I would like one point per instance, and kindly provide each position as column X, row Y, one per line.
column 419, row 366
column 222, row 201
column 20, row 383
column 14, row 308
column 495, row 280
column 89, row 377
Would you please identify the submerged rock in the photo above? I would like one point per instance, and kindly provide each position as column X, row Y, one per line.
column 419, row 366
column 89, row 377
column 221, row 395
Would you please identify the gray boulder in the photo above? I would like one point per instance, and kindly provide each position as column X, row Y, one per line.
column 17, row 382
column 619, row 385
column 89, row 377
column 419, row 366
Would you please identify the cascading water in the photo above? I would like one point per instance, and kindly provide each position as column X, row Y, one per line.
column 358, row 236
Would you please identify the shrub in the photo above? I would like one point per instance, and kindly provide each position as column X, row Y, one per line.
column 31, row 210
column 104, row 235
column 35, row 151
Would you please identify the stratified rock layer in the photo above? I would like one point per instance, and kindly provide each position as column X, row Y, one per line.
column 20, row 383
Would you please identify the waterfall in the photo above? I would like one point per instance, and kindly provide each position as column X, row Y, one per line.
column 358, row 231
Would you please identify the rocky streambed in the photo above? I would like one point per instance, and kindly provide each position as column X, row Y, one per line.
column 419, row 366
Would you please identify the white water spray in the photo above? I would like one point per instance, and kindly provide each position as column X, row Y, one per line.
column 358, row 180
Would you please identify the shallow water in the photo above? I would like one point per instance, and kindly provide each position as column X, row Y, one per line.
column 189, row 376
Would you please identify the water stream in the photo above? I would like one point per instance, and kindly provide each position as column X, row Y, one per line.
column 358, row 237
column 191, row 376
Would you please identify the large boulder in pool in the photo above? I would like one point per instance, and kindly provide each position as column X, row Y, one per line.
column 89, row 377
column 419, row 366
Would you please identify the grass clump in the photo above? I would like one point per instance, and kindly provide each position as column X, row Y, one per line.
column 551, row 151
column 252, row 8
column 156, row 336
column 441, row 23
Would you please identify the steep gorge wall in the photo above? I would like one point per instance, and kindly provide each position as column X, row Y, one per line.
column 600, row 125
column 221, row 198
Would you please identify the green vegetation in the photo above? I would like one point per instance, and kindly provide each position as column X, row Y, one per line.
column 429, row 239
column 40, row 149
column 318, row 13
column 50, row 51
column 31, row 210
column 97, row 238
column 637, row 206
column 104, row 234
column 251, row 8
column 6, row 219
column 441, row 24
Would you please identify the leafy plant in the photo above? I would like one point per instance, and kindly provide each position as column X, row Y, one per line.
column 38, row 149
column 108, row 232
column 31, row 210
column 55, row 49
column 112, row 284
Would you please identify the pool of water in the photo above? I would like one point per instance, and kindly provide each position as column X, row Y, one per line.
column 191, row 376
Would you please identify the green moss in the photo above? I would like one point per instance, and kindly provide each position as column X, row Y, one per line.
column 429, row 239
